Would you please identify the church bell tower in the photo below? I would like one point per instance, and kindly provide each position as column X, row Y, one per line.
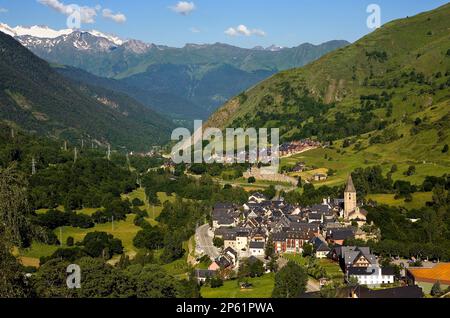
column 349, row 198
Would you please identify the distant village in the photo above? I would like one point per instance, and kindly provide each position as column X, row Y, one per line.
column 246, row 230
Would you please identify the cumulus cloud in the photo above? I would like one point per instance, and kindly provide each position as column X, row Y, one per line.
column 244, row 30
column 3, row 10
column 117, row 17
column 87, row 14
column 183, row 7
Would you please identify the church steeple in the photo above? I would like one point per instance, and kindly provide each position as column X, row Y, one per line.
column 350, row 187
column 349, row 198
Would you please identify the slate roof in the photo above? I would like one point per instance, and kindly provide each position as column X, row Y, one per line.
column 279, row 237
column 341, row 233
column 229, row 236
column 223, row 206
column 319, row 245
column 204, row 273
column 323, row 248
column 258, row 245
column 224, row 231
column 230, row 250
column 223, row 262
column 315, row 216
column 398, row 292
column 351, row 253
column 321, row 208
column 224, row 219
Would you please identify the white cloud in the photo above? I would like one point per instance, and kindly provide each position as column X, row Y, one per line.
column 118, row 17
column 87, row 14
column 183, row 7
column 194, row 30
column 3, row 10
column 243, row 30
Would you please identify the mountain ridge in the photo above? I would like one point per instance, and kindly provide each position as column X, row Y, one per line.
column 37, row 99
column 192, row 67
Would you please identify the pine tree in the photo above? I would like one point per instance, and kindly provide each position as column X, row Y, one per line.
column 436, row 289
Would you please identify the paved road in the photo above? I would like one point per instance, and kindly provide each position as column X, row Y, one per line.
column 204, row 242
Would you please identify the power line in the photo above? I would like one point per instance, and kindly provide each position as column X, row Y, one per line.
column 33, row 166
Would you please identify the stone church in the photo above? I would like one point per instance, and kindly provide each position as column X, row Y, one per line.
column 352, row 212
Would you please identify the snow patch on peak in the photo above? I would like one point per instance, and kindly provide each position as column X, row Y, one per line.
column 7, row 29
column 274, row 48
column 114, row 39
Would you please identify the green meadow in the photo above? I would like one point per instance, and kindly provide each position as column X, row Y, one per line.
column 123, row 230
column 418, row 200
column 262, row 287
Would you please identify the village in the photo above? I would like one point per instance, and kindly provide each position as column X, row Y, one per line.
column 246, row 232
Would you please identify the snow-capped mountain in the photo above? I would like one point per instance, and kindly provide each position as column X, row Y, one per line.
column 36, row 31
column 116, row 40
column 43, row 35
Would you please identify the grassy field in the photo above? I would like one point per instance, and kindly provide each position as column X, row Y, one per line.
column 344, row 161
column 123, row 230
column 297, row 258
column 262, row 288
column 333, row 270
column 419, row 200
column 426, row 287
column 87, row 211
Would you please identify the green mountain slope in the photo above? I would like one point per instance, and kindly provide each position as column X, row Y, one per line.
column 166, row 103
column 38, row 99
column 388, row 94
column 183, row 83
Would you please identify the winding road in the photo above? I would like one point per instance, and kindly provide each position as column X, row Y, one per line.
column 204, row 242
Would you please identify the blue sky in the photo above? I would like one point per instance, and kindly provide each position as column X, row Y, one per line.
column 280, row 22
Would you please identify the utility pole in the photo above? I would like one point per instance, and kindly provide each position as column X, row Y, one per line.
column 33, row 166
column 75, row 155
column 128, row 162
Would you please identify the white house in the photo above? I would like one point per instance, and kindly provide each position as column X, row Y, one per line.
column 373, row 275
column 257, row 249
